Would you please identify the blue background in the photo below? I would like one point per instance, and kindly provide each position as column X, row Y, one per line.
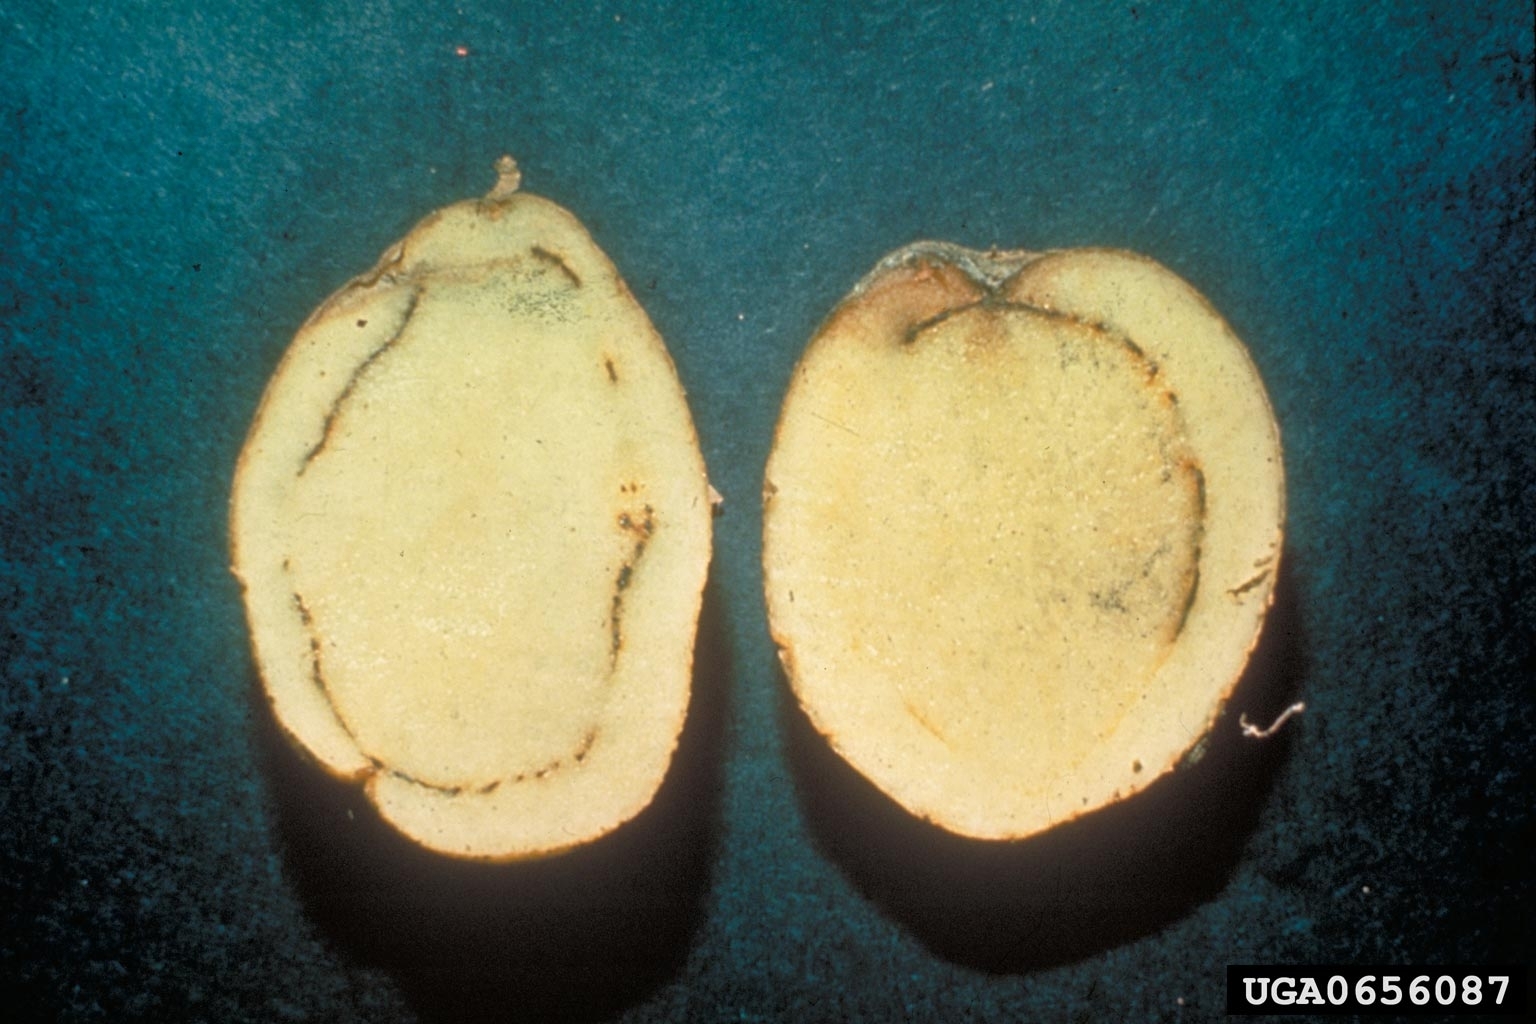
column 181, row 183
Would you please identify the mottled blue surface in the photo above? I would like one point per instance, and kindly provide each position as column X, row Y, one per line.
column 180, row 183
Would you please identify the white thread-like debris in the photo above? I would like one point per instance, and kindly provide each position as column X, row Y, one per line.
column 1254, row 732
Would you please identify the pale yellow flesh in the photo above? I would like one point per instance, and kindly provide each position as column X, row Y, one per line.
column 473, row 526
column 1003, row 565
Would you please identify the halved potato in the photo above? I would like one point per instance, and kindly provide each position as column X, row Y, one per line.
column 472, row 524
column 1023, row 516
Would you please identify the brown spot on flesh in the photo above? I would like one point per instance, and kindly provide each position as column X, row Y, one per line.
column 1189, row 471
column 316, row 670
column 1248, row 584
column 923, row 720
column 1189, row 600
column 334, row 412
column 639, row 526
column 910, row 335
column 559, row 262
column 433, row 786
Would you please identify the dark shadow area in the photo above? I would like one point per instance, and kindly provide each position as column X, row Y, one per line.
column 1085, row 886
column 575, row 937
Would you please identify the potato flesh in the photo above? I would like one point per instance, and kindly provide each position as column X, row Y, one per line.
column 501, row 513
column 992, row 567
column 472, row 521
column 1026, row 475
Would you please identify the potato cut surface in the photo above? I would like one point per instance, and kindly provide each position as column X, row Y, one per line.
column 1022, row 518
column 472, row 523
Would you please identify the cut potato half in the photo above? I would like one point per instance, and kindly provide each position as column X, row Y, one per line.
column 1023, row 517
column 473, row 526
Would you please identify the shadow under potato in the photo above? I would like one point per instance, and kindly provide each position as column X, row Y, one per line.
column 574, row 937
column 1085, row 886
